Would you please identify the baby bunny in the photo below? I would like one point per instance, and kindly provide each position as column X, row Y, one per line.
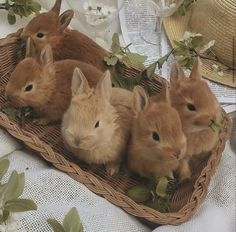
column 158, row 144
column 96, row 126
column 197, row 107
column 46, row 86
column 51, row 28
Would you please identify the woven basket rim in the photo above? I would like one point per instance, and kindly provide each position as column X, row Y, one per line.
column 101, row 188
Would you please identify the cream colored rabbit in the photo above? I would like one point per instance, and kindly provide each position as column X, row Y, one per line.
column 158, row 143
column 197, row 107
column 96, row 126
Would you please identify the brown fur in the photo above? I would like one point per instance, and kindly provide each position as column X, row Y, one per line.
column 147, row 156
column 107, row 143
column 51, row 92
column 200, row 137
column 66, row 44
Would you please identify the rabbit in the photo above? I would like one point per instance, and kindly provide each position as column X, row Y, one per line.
column 197, row 107
column 51, row 28
column 158, row 144
column 45, row 86
column 96, row 126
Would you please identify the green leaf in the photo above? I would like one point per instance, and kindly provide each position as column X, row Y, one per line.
column 135, row 59
column 4, row 165
column 196, row 41
column 111, row 61
column 11, row 112
column 150, row 70
column 20, row 186
column 12, row 184
column 160, row 204
column 179, row 43
column 11, row 19
column 139, row 193
column 15, row 186
column 72, row 221
column 56, row 226
column 215, row 126
column 163, row 59
column 2, row 192
column 5, row 215
column 115, row 47
column 11, row 11
column 35, row 6
column 161, row 187
column 20, row 205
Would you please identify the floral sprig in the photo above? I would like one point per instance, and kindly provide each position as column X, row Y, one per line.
column 185, row 51
column 10, row 202
column 152, row 194
column 123, row 54
column 23, row 8
column 118, row 57
column 70, row 223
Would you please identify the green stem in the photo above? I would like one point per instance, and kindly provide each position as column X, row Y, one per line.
column 123, row 49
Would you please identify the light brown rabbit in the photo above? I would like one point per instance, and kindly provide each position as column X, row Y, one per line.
column 158, row 144
column 197, row 107
column 51, row 28
column 46, row 86
column 96, row 126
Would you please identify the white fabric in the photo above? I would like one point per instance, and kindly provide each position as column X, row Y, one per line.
column 55, row 193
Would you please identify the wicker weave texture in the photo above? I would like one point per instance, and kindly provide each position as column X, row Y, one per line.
column 47, row 142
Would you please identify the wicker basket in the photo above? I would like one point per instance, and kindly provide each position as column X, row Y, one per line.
column 46, row 141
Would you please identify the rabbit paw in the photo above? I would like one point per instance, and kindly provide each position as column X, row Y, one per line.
column 184, row 171
column 112, row 168
column 41, row 121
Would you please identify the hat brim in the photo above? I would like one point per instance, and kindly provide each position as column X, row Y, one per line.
column 175, row 27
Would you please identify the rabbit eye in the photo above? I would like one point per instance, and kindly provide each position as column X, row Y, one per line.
column 28, row 88
column 191, row 107
column 97, row 124
column 40, row 35
column 155, row 136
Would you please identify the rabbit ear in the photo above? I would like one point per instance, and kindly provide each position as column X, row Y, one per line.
column 104, row 86
column 196, row 71
column 165, row 93
column 176, row 73
column 65, row 18
column 79, row 82
column 30, row 48
column 140, row 99
column 46, row 56
column 57, row 6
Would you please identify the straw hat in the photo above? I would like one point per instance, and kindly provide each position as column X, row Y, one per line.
column 215, row 20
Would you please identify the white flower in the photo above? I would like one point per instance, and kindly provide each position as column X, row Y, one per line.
column 215, row 67
column 207, row 46
column 188, row 35
column 220, row 73
column 173, row 5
